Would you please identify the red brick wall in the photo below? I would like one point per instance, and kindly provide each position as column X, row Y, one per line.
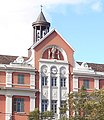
column 91, row 82
column 53, row 39
column 101, row 83
column 22, row 115
column 26, row 80
column 2, row 107
column 2, row 79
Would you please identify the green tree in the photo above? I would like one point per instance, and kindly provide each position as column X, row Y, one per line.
column 47, row 115
column 36, row 115
column 83, row 105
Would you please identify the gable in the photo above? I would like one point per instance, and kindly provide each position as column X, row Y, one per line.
column 53, row 39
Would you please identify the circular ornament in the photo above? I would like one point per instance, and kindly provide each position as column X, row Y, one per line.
column 54, row 70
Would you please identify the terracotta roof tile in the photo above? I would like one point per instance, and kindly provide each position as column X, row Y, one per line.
column 95, row 66
column 6, row 59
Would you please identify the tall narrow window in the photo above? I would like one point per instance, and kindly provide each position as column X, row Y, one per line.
column 44, row 80
column 54, row 106
column 54, row 81
column 86, row 84
column 63, row 82
column 20, row 79
column 19, row 104
column 63, row 103
column 44, row 105
column 63, row 108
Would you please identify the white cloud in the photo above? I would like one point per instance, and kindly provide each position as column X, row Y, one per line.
column 97, row 6
column 16, row 17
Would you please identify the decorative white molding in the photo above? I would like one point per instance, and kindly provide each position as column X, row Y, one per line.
column 8, row 79
column 75, row 83
column 44, row 93
column 31, row 60
column 32, row 80
column 19, row 59
column 54, row 94
column 32, row 103
column 96, row 83
column 82, row 67
column 8, row 106
column 64, row 94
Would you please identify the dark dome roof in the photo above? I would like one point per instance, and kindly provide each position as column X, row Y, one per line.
column 41, row 20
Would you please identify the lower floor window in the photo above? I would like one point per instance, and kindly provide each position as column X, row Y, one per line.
column 54, row 106
column 63, row 103
column 86, row 84
column 19, row 104
column 44, row 105
column 63, row 107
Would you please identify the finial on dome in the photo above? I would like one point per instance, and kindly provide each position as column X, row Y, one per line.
column 41, row 7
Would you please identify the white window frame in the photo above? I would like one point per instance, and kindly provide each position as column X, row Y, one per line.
column 53, row 81
column 63, row 82
column 54, row 106
column 44, row 80
column 44, row 105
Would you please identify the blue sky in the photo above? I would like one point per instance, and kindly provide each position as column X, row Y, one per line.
column 80, row 22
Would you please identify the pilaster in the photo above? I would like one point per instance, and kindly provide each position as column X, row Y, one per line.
column 49, row 91
column 8, row 79
column 59, row 95
column 67, row 85
column 96, row 83
column 32, row 103
column 8, row 107
column 75, row 83
column 32, row 80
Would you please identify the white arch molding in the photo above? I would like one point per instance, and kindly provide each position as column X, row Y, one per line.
column 58, row 48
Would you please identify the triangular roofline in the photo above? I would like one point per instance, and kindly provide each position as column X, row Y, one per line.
column 49, row 33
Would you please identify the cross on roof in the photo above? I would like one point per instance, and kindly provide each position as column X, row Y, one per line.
column 41, row 7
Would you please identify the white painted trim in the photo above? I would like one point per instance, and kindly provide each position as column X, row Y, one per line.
column 75, row 83
column 96, row 83
column 59, row 93
column 57, row 89
column 32, row 103
column 32, row 81
column 8, row 106
column 37, row 43
column 8, row 79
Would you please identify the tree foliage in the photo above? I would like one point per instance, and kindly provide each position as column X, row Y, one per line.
column 84, row 105
column 36, row 115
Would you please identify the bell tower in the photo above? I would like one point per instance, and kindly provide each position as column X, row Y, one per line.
column 40, row 27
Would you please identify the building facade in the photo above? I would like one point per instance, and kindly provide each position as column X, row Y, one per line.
column 44, row 78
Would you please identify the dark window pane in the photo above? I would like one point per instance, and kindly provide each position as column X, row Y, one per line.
column 20, row 79
column 86, row 84
column 18, row 105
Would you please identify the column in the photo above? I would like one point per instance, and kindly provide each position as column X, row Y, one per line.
column 40, row 32
column 75, row 83
column 32, row 80
column 49, row 91
column 40, row 90
column 8, row 79
column 8, row 107
column 34, row 35
column 32, row 103
column 96, row 83
column 67, row 85
column 59, row 95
